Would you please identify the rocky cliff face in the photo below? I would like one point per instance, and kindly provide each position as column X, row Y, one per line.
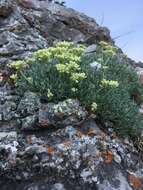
column 28, row 25
column 74, row 153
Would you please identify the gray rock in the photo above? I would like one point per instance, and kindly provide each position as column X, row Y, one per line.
column 29, row 25
column 86, row 174
column 47, row 158
column 8, row 135
column 29, row 104
column 91, row 49
column 7, row 110
column 90, row 125
column 121, row 183
column 6, row 7
column 117, row 157
column 68, row 112
column 8, row 102
column 95, row 65
column 35, row 149
column 58, row 186
column 29, row 123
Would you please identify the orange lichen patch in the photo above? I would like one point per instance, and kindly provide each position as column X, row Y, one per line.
column 108, row 156
column 29, row 139
column 136, row 182
column 50, row 149
column 91, row 132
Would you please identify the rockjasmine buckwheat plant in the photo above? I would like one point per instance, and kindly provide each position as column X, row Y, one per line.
column 53, row 73
column 113, row 86
column 98, row 80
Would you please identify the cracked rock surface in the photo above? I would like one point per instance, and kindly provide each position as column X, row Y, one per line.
column 28, row 25
column 74, row 157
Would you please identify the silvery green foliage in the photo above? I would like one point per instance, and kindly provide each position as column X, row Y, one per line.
column 98, row 81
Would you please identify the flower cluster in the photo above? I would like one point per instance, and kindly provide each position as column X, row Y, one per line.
column 94, row 106
column 38, row 73
column 109, row 83
column 42, row 54
column 69, row 57
column 18, row 65
column 77, row 77
column 68, row 68
column 13, row 77
column 108, row 49
column 49, row 94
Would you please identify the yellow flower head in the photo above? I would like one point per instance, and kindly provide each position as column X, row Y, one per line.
column 94, row 106
column 13, row 77
column 72, row 66
column 42, row 54
column 111, row 83
column 61, row 68
column 65, row 44
column 74, row 89
column 103, row 43
column 77, row 77
column 49, row 94
column 17, row 65
column 30, row 79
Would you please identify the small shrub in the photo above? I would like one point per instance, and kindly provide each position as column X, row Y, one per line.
column 64, row 71
column 53, row 73
column 113, row 88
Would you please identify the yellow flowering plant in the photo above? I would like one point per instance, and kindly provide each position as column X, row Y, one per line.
column 52, row 72
column 109, row 83
column 110, row 91
column 77, row 77
column 49, row 94
column 64, row 71
column 18, row 65
column 94, row 106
